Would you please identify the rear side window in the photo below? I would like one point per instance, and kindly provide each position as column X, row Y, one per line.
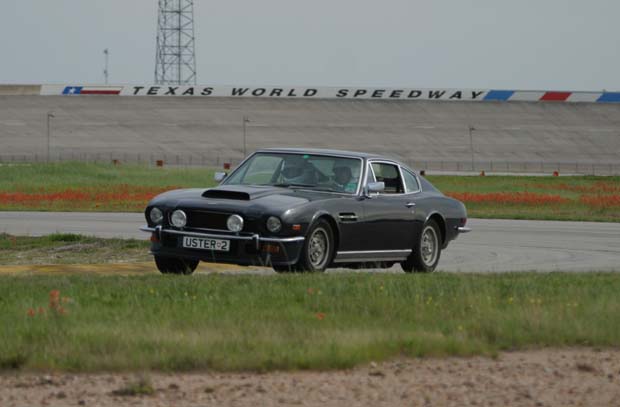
column 411, row 182
column 388, row 174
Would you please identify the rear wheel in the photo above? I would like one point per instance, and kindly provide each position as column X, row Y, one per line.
column 172, row 265
column 318, row 248
column 426, row 252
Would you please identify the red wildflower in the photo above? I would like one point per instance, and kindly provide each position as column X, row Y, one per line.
column 598, row 187
column 31, row 312
column 320, row 316
column 124, row 195
column 601, row 201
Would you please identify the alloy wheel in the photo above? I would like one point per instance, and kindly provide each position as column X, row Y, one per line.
column 318, row 248
column 429, row 245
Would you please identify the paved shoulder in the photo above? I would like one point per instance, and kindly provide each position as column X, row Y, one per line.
column 518, row 245
column 101, row 224
column 494, row 245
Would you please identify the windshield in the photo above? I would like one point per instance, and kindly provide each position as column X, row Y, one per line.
column 319, row 172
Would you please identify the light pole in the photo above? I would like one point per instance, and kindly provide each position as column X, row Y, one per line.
column 49, row 116
column 245, row 120
column 471, row 143
column 106, row 72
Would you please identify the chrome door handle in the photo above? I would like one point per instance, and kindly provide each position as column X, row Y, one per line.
column 410, row 204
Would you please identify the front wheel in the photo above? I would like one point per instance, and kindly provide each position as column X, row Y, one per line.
column 426, row 252
column 318, row 248
column 172, row 265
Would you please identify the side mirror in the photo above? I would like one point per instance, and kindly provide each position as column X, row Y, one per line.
column 219, row 176
column 374, row 187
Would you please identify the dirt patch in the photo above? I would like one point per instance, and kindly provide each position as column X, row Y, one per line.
column 573, row 377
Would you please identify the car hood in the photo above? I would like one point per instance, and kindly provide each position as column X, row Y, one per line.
column 250, row 200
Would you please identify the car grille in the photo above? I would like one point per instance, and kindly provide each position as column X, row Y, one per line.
column 214, row 220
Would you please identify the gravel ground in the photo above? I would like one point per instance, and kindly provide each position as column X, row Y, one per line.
column 567, row 377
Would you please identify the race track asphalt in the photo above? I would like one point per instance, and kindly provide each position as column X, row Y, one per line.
column 494, row 245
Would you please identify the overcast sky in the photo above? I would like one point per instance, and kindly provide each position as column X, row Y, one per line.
column 516, row 44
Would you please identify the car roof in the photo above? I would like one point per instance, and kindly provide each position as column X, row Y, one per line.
column 324, row 151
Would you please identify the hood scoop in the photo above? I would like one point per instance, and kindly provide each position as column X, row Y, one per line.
column 225, row 194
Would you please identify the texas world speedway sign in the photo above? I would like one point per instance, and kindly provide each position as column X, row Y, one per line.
column 374, row 93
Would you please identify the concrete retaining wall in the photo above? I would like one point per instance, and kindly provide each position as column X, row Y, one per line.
column 20, row 90
column 420, row 131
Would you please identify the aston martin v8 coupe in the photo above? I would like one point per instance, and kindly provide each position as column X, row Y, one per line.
column 306, row 210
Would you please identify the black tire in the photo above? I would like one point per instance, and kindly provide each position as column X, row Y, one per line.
column 318, row 249
column 426, row 252
column 172, row 265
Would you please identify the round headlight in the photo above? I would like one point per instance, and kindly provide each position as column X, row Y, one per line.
column 234, row 223
column 274, row 224
column 156, row 216
column 178, row 218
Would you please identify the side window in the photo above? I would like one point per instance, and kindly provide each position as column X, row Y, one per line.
column 388, row 174
column 411, row 182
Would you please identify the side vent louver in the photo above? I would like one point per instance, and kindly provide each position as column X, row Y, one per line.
column 347, row 217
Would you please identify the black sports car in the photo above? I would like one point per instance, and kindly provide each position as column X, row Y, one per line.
column 306, row 210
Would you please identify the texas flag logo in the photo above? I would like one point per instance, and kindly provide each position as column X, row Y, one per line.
column 92, row 90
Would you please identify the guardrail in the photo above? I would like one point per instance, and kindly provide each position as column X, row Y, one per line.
column 430, row 166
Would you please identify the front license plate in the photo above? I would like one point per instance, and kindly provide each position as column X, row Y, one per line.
column 218, row 245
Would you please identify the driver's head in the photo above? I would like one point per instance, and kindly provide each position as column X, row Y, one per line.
column 342, row 175
column 293, row 169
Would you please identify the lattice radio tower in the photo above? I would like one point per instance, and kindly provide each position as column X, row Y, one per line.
column 176, row 57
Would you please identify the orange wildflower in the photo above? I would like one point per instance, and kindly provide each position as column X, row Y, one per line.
column 320, row 316
column 54, row 299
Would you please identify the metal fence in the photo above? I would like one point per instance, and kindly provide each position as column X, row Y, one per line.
column 430, row 166
column 518, row 167
column 188, row 160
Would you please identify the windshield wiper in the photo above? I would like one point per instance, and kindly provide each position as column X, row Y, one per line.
column 287, row 185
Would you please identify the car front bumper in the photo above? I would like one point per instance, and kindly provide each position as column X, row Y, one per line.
column 246, row 249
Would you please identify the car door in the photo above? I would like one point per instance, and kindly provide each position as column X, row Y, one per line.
column 389, row 216
column 414, row 200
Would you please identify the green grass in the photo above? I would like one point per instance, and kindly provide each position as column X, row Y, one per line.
column 513, row 183
column 70, row 249
column 129, row 187
column 72, row 175
column 571, row 188
column 227, row 322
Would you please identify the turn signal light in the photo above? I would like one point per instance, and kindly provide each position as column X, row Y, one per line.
column 154, row 238
column 296, row 227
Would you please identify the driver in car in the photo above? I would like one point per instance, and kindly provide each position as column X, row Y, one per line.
column 298, row 171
